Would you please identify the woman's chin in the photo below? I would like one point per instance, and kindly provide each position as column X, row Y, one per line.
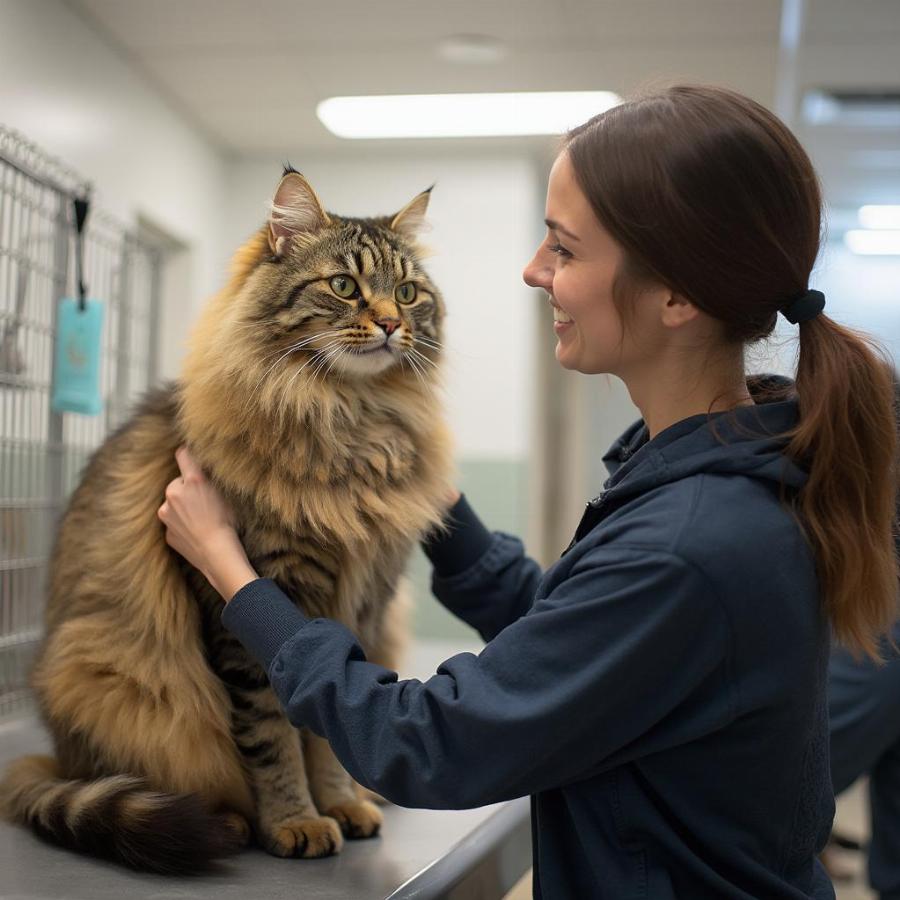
column 565, row 357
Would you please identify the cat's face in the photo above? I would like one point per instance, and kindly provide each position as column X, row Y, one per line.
column 341, row 296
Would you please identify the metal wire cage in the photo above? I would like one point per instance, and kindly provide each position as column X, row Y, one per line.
column 42, row 452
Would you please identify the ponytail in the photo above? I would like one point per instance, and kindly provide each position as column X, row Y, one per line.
column 847, row 440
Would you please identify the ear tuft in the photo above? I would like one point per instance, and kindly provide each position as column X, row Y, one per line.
column 410, row 221
column 295, row 210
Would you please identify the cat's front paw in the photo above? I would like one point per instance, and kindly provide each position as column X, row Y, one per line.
column 303, row 838
column 361, row 819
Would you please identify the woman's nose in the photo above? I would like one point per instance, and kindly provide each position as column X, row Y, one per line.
column 538, row 274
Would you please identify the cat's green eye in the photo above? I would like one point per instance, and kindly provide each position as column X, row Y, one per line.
column 344, row 286
column 405, row 293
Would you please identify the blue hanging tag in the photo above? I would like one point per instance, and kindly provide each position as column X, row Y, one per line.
column 76, row 385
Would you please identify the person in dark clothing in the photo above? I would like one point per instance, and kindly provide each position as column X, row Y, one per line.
column 864, row 704
column 864, row 723
column 659, row 691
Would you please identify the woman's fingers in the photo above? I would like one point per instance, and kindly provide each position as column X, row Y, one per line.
column 187, row 464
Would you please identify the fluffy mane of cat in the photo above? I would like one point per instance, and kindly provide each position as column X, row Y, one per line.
column 314, row 412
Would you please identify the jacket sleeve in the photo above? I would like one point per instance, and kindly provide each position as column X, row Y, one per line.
column 482, row 577
column 624, row 658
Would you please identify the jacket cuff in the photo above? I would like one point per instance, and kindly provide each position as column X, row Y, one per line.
column 459, row 547
column 503, row 550
column 262, row 617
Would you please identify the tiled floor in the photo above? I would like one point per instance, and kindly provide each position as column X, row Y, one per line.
column 851, row 819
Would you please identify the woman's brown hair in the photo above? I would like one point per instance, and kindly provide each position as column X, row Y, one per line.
column 712, row 195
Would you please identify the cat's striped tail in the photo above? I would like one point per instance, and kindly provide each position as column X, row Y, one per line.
column 117, row 817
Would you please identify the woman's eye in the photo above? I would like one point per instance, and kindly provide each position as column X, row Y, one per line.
column 405, row 293
column 559, row 249
column 344, row 286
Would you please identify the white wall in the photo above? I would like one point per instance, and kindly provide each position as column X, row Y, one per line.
column 68, row 90
column 863, row 292
column 486, row 213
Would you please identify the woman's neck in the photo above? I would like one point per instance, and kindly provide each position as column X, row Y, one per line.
column 672, row 392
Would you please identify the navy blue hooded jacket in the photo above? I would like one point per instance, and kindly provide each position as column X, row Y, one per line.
column 659, row 691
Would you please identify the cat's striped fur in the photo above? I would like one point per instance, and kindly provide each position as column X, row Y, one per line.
column 171, row 748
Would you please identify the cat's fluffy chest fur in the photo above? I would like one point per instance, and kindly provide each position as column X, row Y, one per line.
column 332, row 521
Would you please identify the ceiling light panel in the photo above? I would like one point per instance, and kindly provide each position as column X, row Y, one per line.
column 461, row 115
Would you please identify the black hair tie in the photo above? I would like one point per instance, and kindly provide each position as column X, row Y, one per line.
column 805, row 307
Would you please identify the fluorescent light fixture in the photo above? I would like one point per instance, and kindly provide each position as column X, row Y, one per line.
column 879, row 216
column 873, row 242
column 461, row 115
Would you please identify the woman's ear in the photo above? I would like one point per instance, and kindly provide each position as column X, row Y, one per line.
column 677, row 310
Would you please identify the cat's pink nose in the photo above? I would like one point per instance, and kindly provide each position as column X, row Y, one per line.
column 390, row 325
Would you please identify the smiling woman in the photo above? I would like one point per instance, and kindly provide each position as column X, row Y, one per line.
column 584, row 270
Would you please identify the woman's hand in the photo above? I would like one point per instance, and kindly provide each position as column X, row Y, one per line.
column 200, row 526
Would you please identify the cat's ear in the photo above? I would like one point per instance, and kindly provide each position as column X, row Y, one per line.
column 296, row 210
column 411, row 219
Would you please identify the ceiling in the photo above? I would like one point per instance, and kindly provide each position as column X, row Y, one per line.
column 250, row 74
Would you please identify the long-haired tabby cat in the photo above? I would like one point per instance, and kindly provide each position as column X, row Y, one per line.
column 308, row 398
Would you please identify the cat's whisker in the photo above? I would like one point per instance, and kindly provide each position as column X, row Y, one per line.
column 403, row 361
column 417, row 362
column 294, row 376
column 416, row 367
column 313, row 337
column 413, row 369
column 341, row 370
column 314, row 358
column 333, row 358
column 294, row 347
column 301, row 343
column 422, row 357
column 443, row 348
column 319, row 367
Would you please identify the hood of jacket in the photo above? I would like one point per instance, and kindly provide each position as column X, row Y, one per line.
column 749, row 440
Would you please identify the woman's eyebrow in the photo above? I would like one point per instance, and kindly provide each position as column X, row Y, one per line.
column 555, row 226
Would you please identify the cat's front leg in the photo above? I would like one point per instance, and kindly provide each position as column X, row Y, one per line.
column 335, row 792
column 288, row 822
